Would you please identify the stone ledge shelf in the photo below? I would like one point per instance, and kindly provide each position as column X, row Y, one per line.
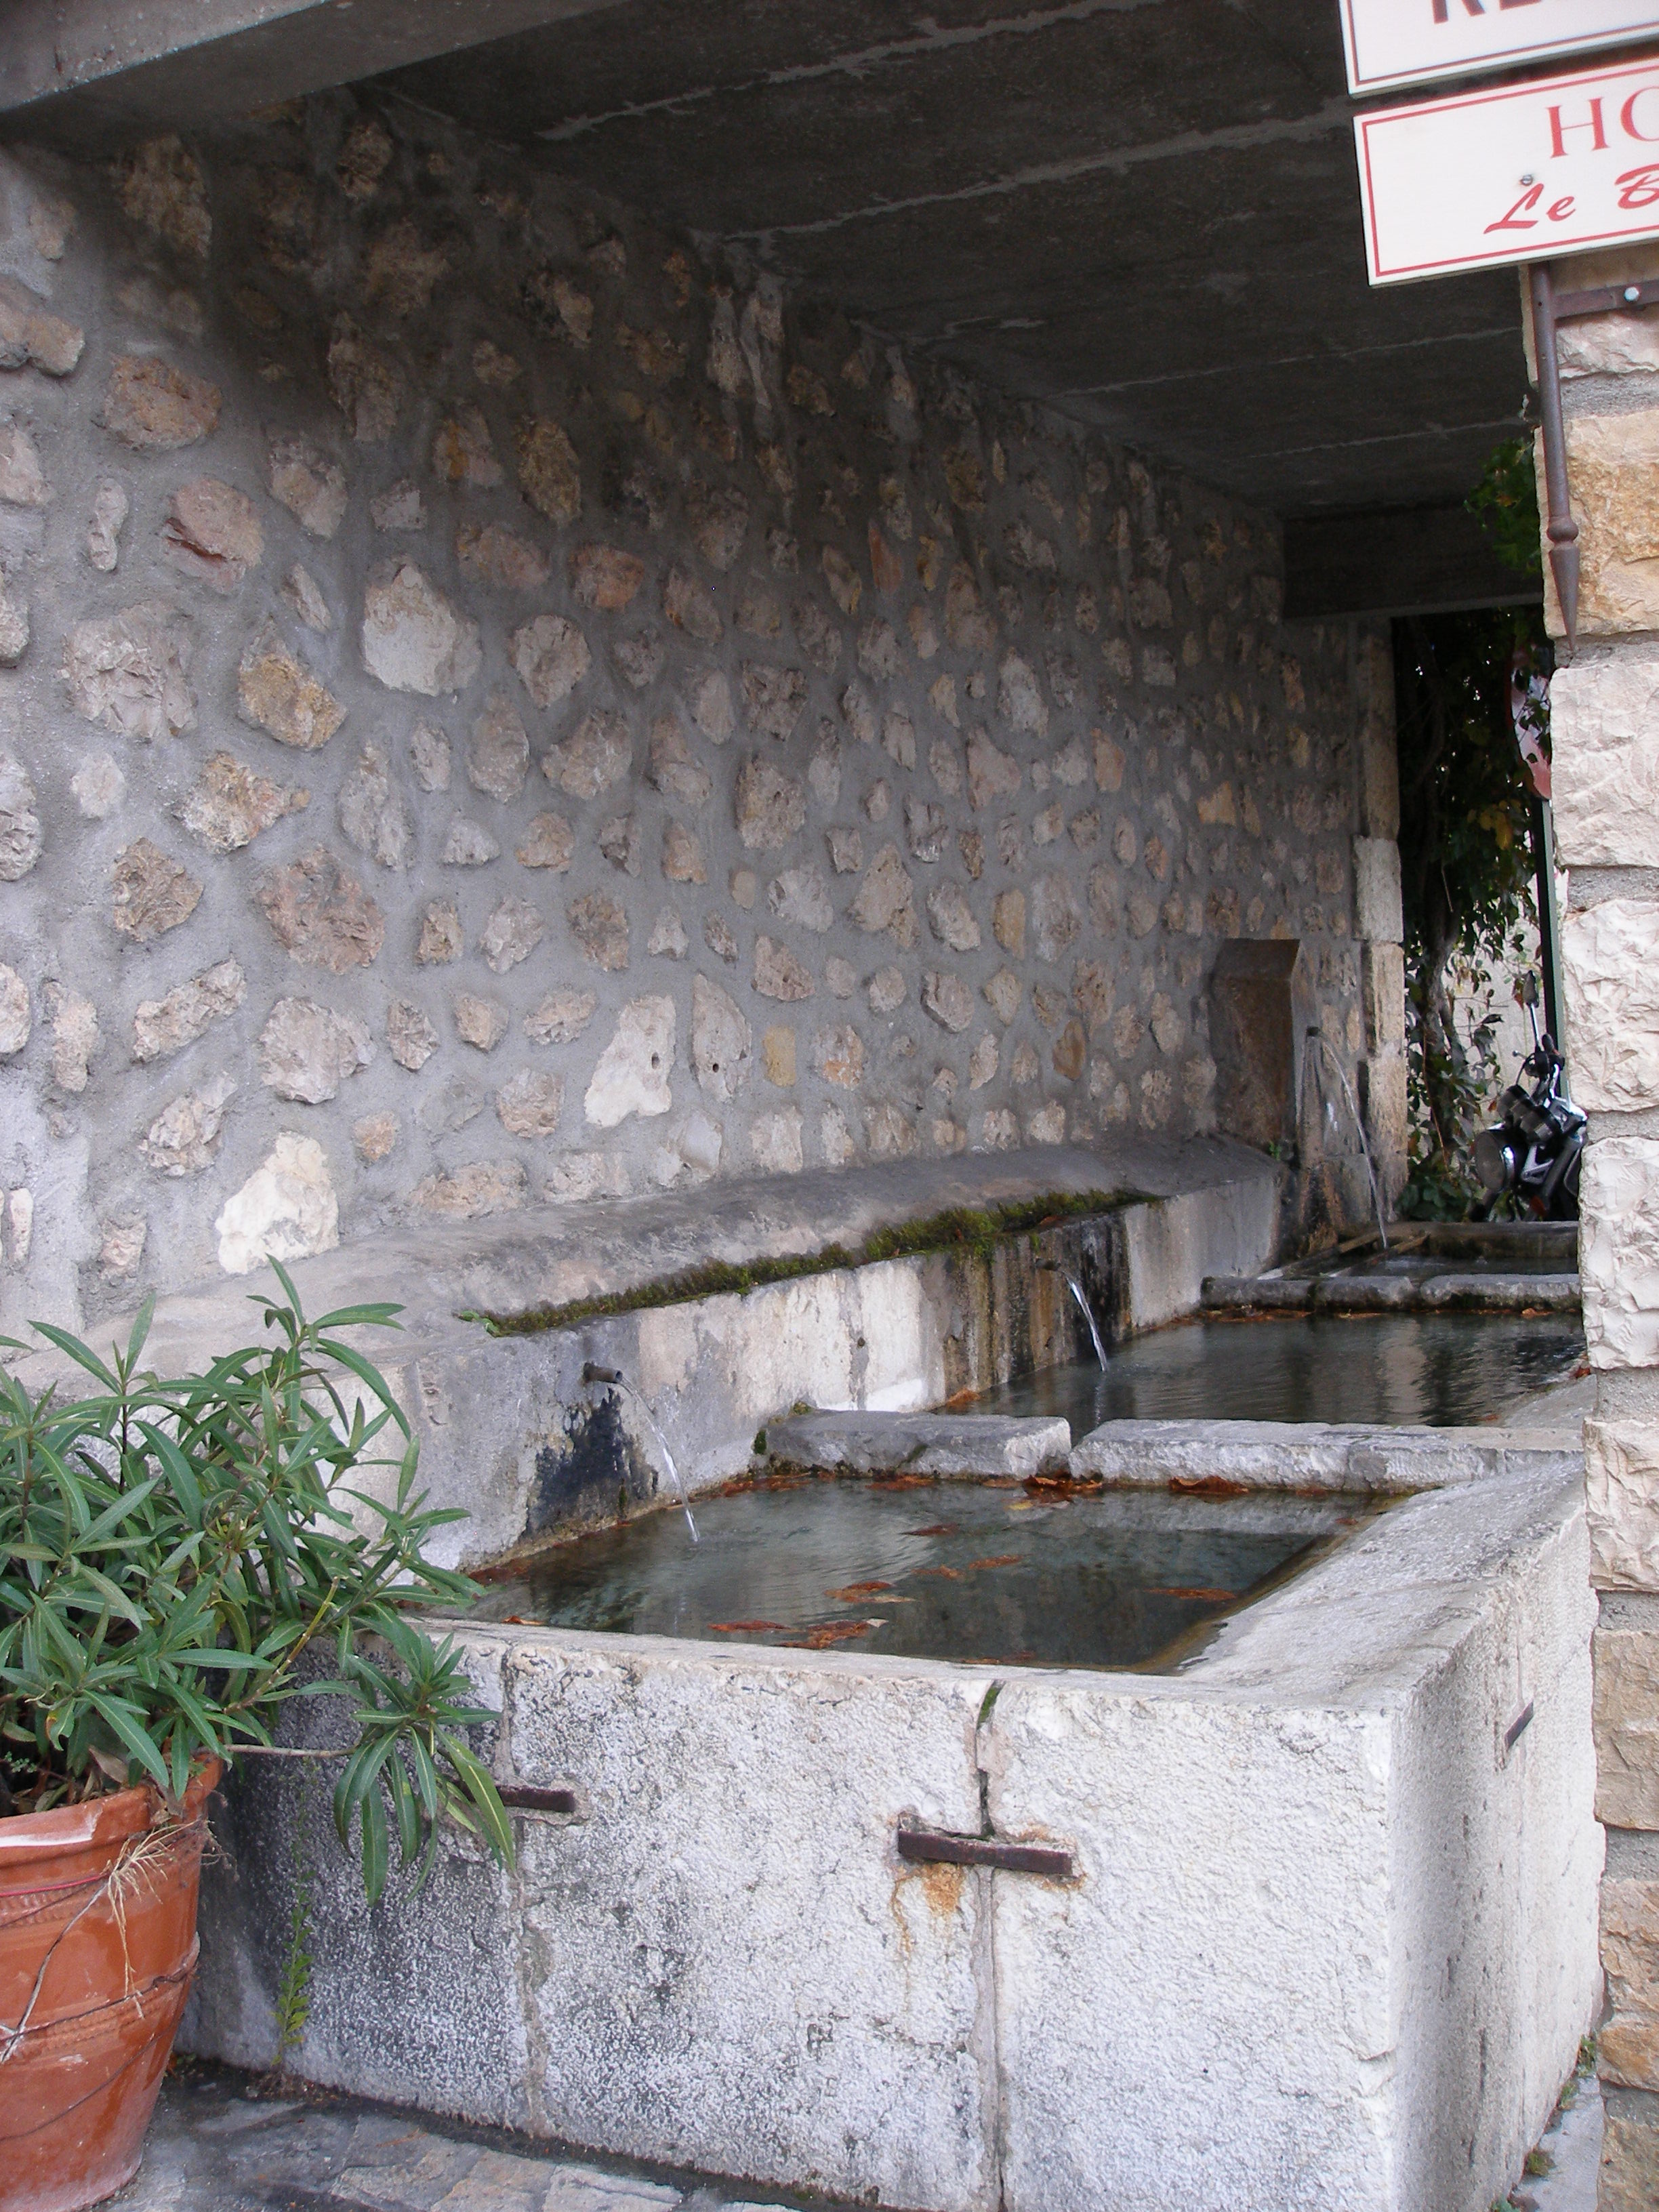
column 1392, row 1294
column 949, row 1445
column 1309, row 1455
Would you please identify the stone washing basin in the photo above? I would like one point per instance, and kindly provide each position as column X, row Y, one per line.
column 1308, row 1926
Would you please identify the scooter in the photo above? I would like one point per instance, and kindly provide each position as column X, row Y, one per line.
column 1534, row 1154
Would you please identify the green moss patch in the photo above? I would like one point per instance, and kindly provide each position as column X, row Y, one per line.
column 960, row 1229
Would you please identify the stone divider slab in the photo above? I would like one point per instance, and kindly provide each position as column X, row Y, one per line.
column 1309, row 1455
column 946, row 1444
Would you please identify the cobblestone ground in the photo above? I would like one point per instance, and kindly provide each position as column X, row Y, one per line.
column 219, row 2145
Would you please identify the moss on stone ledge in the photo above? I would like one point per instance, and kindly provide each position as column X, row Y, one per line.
column 959, row 1228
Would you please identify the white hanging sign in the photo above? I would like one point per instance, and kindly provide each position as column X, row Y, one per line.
column 1561, row 165
column 1395, row 42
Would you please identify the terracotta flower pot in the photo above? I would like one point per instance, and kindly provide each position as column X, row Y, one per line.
column 97, row 1950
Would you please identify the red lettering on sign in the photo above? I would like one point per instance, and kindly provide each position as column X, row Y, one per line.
column 1627, row 116
column 1524, row 205
column 1470, row 8
column 1560, row 132
column 1563, row 209
column 1639, row 188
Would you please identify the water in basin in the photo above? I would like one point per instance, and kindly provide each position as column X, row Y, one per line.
column 911, row 1568
column 1438, row 1371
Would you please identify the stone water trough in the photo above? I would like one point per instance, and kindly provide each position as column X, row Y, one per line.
column 1306, row 1925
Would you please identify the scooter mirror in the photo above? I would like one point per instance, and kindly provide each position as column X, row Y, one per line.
column 1527, row 989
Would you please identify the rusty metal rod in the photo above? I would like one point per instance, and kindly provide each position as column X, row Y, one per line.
column 1561, row 529
column 526, row 1797
column 935, row 1847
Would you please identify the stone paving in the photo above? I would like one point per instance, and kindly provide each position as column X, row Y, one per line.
column 221, row 2143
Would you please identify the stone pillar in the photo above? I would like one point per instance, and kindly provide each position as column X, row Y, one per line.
column 1377, row 924
column 1606, row 704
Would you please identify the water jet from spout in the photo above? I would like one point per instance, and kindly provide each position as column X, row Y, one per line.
column 613, row 1380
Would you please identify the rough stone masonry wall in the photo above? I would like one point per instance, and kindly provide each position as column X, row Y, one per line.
column 501, row 708
column 1606, row 811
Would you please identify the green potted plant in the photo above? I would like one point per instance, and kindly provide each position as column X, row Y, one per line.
column 178, row 1559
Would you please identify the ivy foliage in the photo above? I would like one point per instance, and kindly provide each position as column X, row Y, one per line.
column 1465, row 844
column 178, row 1555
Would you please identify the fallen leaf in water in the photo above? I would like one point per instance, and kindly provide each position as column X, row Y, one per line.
column 1002, row 1560
column 1197, row 1596
column 904, row 1482
column 1533, row 1313
column 854, row 1591
column 934, row 1528
column 518, row 1621
column 745, row 1627
column 950, row 1574
column 1065, row 1486
column 1208, row 1485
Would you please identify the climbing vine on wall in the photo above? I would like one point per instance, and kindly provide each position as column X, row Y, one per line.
column 1466, row 850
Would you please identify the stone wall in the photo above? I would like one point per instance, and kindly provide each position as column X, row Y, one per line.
column 1607, row 784
column 500, row 708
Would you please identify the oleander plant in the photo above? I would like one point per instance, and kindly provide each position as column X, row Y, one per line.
column 181, row 1557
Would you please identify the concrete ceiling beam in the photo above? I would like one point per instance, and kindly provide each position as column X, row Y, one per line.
column 90, row 75
column 1397, row 561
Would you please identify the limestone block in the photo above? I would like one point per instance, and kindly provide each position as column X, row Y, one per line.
column 413, row 639
column 721, row 1040
column 491, row 553
column 673, row 768
column 130, row 671
column 319, row 915
column 74, row 1036
column 682, row 860
column 374, row 1136
column 364, row 383
column 595, row 758
column 1628, row 2045
column 498, row 758
column 14, row 625
column 775, row 1141
column 778, row 1057
column 1629, row 2178
column 1612, row 460
column 604, row 577
column 992, row 774
column 372, row 813
column 212, row 533
column 472, row 1193
column 926, row 827
column 547, row 470
column 1382, row 995
column 153, row 407
column 621, row 841
column 22, row 480
column 468, row 844
column 286, row 1210
column 562, row 1017
column 800, row 898
column 1626, row 1723
column 109, row 514
column 886, row 900
column 1384, row 1105
column 306, row 1051
column 1002, row 994
column 32, row 337
column 512, row 934
column 410, row 1037
column 600, row 926
column 632, row 1076
column 162, row 187
column 20, row 835
column 952, row 919
column 771, row 806
column 462, row 453
column 183, row 1137
column 440, row 940
column 773, row 699
column 166, row 1025
column 16, row 1015
column 229, row 805
column 152, row 894
column 549, row 842
column 98, row 786
column 530, row 1105
column 304, row 594
column 1056, row 918
column 1604, row 725
column 1611, row 976
column 277, row 692
column 778, row 973
column 1377, row 913
column 1621, row 1481
column 481, row 1023
column 947, row 1000
column 310, row 486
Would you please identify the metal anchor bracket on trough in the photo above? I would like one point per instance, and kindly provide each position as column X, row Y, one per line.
column 936, row 1847
column 528, row 1797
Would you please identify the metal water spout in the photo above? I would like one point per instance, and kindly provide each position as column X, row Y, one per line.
column 592, row 1373
column 1317, row 1036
